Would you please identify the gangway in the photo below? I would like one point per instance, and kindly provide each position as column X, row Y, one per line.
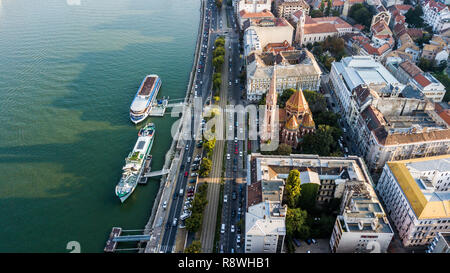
column 156, row 173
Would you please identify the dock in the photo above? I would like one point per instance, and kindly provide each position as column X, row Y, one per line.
column 147, row 169
column 159, row 108
column 112, row 244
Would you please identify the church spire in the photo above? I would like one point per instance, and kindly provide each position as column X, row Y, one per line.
column 271, row 98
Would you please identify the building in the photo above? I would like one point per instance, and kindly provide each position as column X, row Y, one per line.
column 388, row 3
column 311, row 30
column 285, row 8
column 443, row 110
column 296, row 69
column 406, row 44
column 378, row 47
column 253, row 6
column 296, row 120
column 440, row 244
column 260, row 32
column 332, row 173
column 430, row 86
column 404, row 71
column 265, row 227
column 244, row 16
column 362, row 226
column 437, row 15
column 416, row 194
column 436, row 50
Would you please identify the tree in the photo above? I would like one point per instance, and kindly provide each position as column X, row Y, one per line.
column 307, row 200
column 316, row 101
column 316, row 13
column 326, row 117
column 205, row 167
column 217, row 82
column 218, row 62
column 263, row 100
column 413, row 17
column 284, row 149
column 322, row 6
column 296, row 222
column 195, row 247
column 292, row 188
column 194, row 222
column 361, row 14
column 283, row 98
column 425, row 65
column 209, row 146
column 219, row 4
column 321, row 142
column 328, row 9
column 219, row 51
column 220, row 41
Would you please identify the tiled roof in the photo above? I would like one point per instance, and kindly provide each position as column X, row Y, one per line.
column 319, row 28
column 262, row 14
column 292, row 123
column 297, row 102
column 443, row 113
column 420, row 79
column 410, row 68
column 415, row 32
column 254, row 194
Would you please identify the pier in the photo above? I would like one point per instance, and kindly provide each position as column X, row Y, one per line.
column 159, row 108
column 115, row 237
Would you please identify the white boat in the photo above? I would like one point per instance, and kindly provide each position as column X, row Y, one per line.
column 144, row 98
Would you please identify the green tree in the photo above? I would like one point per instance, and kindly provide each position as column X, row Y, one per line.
column 413, row 17
column 328, row 9
column 219, row 4
column 361, row 14
column 219, row 51
column 195, row 247
column 322, row 6
column 307, row 200
column 209, row 146
column 284, row 149
column 316, row 13
column 282, row 99
column 321, row 142
column 218, row 62
column 292, row 188
column 425, row 65
column 220, row 41
column 296, row 222
column 205, row 167
column 194, row 222
column 316, row 102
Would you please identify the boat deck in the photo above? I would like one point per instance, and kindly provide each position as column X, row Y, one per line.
column 148, row 86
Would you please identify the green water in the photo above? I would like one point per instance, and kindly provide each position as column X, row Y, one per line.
column 68, row 74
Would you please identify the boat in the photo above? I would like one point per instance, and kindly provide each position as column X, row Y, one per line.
column 135, row 162
column 144, row 99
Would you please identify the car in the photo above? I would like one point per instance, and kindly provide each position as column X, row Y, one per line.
column 238, row 238
column 236, row 151
column 238, row 229
column 175, row 195
column 190, row 194
column 240, row 153
column 232, row 229
column 237, row 124
column 235, row 139
column 235, row 161
column 308, row 241
column 164, row 206
column 241, row 130
column 167, row 225
column 234, row 169
column 225, row 198
column 189, row 159
column 195, row 168
column 232, row 250
column 233, row 195
column 230, row 71
column 187, row 145
column 222, row 230
column 237, row 81
column 194, row 174
column 233, row 213
column 175, row 220
column 185, row 174
column 229, row 83
column 239, row 211
column 238, row 245
column 228, row 156
column 313, row 241
column 192, row 181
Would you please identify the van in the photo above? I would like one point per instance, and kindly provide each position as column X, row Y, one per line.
column 181, row 192
column 222, row 230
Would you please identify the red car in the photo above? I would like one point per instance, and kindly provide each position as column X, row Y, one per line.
column 236, row 151
column 185, row 174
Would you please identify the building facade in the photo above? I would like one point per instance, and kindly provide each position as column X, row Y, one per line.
column 416, row 194
column 440, row 244
column 362, row 226
column 296, row 69
column 285, row 8
column 436, row 14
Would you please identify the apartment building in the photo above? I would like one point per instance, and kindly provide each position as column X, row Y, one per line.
column 436, row 14
column 429, row 86
column 416, row 194
column 440, row 244
column 285, row 8
column 253, row 6
column 362, row 226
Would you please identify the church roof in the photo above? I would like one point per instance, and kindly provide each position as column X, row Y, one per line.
column 308, row 121
column 292, row 123
column 297, row 102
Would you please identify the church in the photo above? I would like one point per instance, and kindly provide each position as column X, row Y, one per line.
column 295, row 120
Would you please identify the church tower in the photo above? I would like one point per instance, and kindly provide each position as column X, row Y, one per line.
column 299, row 34
column 271, row 107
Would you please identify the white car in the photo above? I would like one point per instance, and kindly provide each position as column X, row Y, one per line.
column 237, row 81
column 164, row 205
column 194, row 174
column 240, row 153
column 241, row 130
column 238, row 238
column 232, row 228
column 229, row 83
column 228, row 156
column 225, row 199
column 235, row 140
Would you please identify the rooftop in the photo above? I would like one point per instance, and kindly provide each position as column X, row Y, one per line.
column 426, row 202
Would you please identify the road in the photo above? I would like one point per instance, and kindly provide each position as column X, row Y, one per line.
column 202, row 89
